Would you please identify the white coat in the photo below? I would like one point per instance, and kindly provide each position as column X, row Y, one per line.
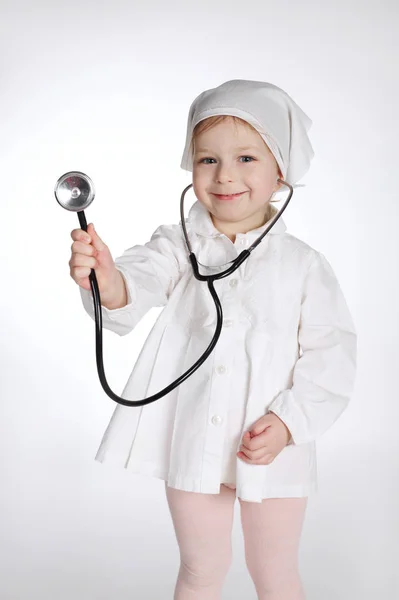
column 288, row 345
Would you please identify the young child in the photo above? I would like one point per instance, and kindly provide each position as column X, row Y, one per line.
column 244, row 424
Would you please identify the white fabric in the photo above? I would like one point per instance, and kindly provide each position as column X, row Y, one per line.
column 282, row 124
column 288, row 345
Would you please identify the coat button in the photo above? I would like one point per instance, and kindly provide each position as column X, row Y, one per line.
column 227, row 322
column 221, row 369
column 216, row 420
column 233, row 282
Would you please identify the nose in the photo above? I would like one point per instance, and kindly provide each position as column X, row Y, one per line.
column 224, row 173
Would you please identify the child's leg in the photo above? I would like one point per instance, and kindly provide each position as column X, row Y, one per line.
column 272, row 531
column 203, row 524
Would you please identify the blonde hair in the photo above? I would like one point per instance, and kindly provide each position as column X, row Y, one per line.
column 210, row 122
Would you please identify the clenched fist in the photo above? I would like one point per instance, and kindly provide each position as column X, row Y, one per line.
column 267, row 438
column 90, row 252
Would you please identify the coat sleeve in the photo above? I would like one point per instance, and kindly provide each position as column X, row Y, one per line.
column 151, row 272
column 324, row 374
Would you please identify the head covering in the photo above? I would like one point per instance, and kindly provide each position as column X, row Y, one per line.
column 281, row 123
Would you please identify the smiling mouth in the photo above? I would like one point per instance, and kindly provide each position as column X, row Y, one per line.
column 228, row 196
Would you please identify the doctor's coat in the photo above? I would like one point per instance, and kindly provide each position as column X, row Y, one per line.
column 288, row 346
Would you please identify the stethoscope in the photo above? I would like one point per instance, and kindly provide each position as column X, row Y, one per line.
column 74, row 191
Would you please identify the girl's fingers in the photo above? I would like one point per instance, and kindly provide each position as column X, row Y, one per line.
column 264, row 460
column 97, row 241
column 253, row 454
column 82, row 260
column 255, row 443
column 80, row 235
column 83, row 248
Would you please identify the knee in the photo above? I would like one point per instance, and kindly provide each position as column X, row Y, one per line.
column 206, row 569
column 273, row 576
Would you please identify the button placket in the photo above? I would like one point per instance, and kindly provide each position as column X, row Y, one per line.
column 220, row 385
column 219, row 393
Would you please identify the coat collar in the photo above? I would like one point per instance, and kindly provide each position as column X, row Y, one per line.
column 201, row 223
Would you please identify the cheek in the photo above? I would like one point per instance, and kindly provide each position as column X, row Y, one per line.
column 197, row 187
column 263, row 181
column 195, row 176
column 200, row 179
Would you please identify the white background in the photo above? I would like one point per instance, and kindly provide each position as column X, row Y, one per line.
column 105, row 88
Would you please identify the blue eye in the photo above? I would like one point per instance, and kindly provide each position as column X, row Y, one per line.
column 251, row 158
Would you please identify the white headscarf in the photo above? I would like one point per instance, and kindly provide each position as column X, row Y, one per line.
column 281, row 123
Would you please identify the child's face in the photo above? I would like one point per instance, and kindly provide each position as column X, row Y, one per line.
column 221, row 167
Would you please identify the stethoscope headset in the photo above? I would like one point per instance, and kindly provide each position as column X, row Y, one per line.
column 74, row 191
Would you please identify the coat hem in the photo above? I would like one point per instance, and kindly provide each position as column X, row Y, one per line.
column 244, row 492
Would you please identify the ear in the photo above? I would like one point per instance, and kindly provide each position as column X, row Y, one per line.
column 278, row 184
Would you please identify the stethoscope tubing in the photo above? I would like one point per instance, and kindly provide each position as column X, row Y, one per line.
column 208, row 278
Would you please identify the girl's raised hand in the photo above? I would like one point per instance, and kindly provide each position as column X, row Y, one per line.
column 90, row 252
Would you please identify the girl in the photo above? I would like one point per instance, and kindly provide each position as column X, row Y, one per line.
column 244, row 424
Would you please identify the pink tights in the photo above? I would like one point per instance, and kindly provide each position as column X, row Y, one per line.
column 271, row 529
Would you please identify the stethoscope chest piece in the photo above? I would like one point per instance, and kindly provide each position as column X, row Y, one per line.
column 74, row 191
